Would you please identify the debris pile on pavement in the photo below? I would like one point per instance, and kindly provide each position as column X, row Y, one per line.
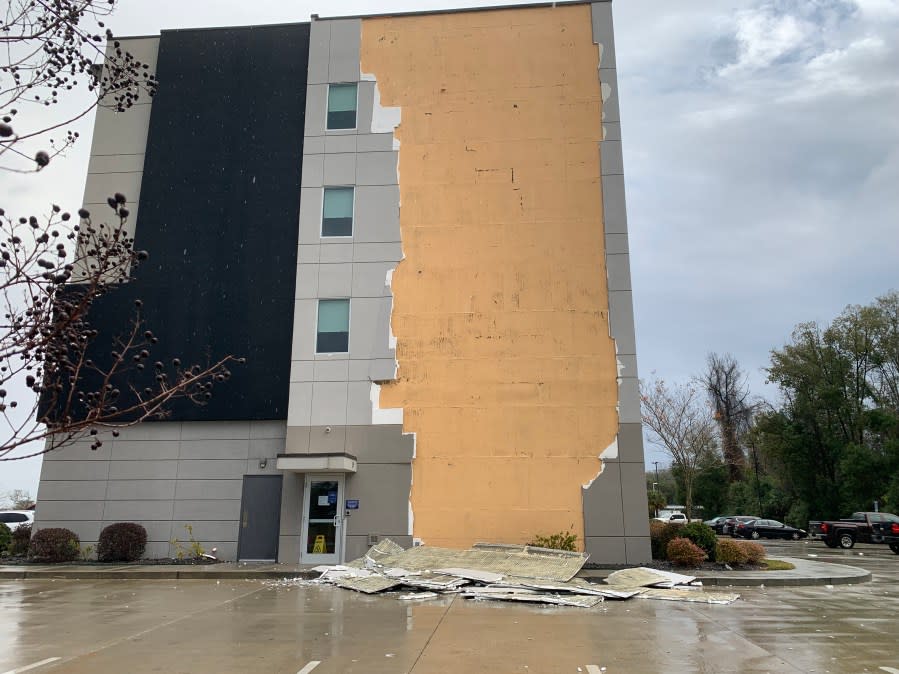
column 519, row 573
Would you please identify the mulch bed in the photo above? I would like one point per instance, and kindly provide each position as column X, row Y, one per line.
column 22, row 561
column 668, row 566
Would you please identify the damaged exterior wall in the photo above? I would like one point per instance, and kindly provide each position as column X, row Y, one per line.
column 507, row 370
column 330, row 407
column 488, row 260
column 622, row 486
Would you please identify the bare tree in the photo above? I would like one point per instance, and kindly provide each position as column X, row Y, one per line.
column 72, row 381
column 18, row 499
column 50, row 48
column 681, row 425
column 728, row 393
column 46, row 337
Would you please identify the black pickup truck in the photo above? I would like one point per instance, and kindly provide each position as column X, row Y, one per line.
column 863, row 527
column 889, row 531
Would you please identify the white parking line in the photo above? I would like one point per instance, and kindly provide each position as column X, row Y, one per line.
column 312, row 664
column 595, row 669
column 33, row 665
column 891, row 670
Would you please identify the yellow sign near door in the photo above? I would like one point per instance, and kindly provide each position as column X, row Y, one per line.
column 318, row 547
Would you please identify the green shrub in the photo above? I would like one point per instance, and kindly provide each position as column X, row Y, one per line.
column 684, row 552
column 564, row 540
column 755, row 552
column 21, row 539
column 122, row 542
column 703, row 535
column 660, row 534
column 5, row 537
column 55, row 545
column 730, row 552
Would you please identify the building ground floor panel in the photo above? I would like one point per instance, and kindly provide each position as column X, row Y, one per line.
column 233, row 487
column 218, row 486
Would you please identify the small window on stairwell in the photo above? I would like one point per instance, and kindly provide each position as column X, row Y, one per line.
column 342, row 106
column 333, row 332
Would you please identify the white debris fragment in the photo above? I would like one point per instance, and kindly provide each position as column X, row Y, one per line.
column 490, row 571
column 418, row 596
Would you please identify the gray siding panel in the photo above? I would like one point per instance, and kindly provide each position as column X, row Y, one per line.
column 143, row 470
column 208, row 489
column 138, row 511
column 615, row 510
column 134, row 490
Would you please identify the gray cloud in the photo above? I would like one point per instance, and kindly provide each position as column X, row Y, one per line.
column 761, row 187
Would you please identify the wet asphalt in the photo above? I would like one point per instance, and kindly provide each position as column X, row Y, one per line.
column 218, row 626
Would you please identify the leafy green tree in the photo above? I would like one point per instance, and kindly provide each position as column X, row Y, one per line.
column 656, row 501
column 834, row 439
column 710, row 486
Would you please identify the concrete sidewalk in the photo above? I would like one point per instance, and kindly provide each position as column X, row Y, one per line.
column 806, row 573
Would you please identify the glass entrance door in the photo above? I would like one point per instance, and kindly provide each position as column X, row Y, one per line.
column 322, row 535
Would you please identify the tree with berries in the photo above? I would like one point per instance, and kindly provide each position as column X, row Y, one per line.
column 73, row 380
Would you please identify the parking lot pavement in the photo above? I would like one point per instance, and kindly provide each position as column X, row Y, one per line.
column 238, row 626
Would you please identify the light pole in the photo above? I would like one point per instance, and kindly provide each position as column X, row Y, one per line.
column 656, row 463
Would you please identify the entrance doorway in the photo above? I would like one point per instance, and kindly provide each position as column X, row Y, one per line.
column 260, row 517
column 321, row 539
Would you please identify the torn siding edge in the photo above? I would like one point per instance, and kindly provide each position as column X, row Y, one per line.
column 610, row 452
column 391, row 337
column 384, row 119
column 383, row 415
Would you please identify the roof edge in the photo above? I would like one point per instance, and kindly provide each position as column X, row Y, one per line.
column 457, row 10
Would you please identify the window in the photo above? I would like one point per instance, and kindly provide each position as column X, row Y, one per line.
column 9, row 518
column 333, row 326
column 342, row 106
column 337, row 211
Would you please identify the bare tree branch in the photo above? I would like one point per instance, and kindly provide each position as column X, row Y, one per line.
column 51, row 48
column 680, row 425
column 728, row 393
column 51, row 275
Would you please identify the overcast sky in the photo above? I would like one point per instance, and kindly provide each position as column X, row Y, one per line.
column 761, row 151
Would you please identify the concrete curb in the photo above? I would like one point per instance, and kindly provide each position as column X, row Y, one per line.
column 807, row 573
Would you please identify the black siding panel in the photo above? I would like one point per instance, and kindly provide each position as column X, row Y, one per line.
column 219, row 212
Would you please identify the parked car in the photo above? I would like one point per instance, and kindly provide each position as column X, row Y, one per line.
column 717, row 523
column 760, row 528
column 16, row 518
column 861, row 527
column 730, row 524
column 677, row 518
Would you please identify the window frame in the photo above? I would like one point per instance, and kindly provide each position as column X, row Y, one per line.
column 349, row 319
column 321, row 228
column 355, row 126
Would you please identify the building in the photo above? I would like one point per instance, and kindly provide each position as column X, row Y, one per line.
column 413, row 226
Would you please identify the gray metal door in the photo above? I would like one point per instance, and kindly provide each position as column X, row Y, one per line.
column 260, row 518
